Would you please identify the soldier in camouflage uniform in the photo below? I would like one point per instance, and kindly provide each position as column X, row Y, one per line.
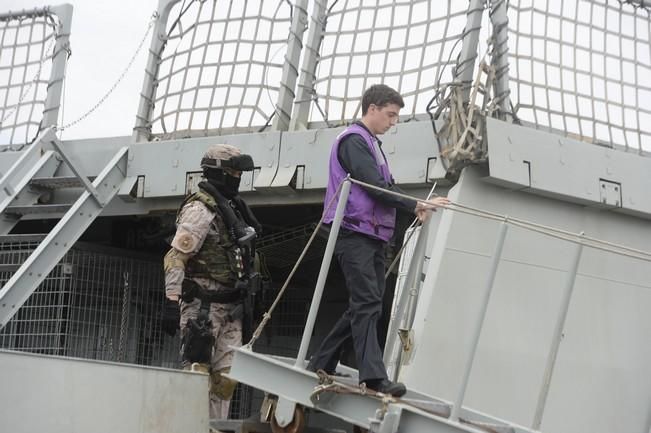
column 207, row 270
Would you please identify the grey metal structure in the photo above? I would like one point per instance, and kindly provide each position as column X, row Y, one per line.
column 64, row 392
column 489, row 321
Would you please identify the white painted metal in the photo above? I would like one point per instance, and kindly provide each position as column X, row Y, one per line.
column 548, row 164
column 465, row 68
column 67, row 395
column 558, row 335
column 304, row 94
column 280, row 377
column 16, row 291
column 500, row 58
column 290, row 68
column 478, row 323
column 23, row 196
column 323, row 274
column 141, row 130
column 604, row 363
column 55, row 86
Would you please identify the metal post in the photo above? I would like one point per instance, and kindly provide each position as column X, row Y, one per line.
column 479, row 322
column 405, row 309
column 59, row 59
column 465, row 67
column 500, row 60
column 305, row 91
column 558, row 334
column 158, row 40
column 323, row 273
column 290, row 68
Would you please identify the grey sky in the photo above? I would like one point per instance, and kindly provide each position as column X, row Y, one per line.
column 104, row 36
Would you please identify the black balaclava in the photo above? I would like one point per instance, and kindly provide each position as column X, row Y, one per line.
column 226, row 184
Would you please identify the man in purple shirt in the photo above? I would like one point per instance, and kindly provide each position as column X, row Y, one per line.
column 368, row 224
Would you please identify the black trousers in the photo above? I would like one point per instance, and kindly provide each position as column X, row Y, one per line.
column 362, row 260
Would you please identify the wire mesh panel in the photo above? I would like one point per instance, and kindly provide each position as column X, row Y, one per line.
column 94, row 305
column 27, row 43
column 221, row 67
column 404, row 44
column 583, row 67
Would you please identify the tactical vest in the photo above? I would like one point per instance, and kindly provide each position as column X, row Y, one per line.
column 363, row 213
column 219, row 258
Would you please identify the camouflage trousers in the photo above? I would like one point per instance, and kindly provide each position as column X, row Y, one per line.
column 227, row 333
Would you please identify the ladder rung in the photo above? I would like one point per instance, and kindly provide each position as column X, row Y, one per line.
column 58, row 182
column 14, row 239
column 38, row 208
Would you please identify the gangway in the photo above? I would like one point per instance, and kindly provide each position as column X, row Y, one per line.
column 340, row 395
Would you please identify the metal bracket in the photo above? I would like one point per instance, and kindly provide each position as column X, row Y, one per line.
column 284, row 413
column 83, row 179
column 611, row 192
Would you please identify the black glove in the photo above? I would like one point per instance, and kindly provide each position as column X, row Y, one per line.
column 171, row 317
column 190, row 289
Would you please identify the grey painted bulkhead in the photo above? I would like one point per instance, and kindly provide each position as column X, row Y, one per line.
column 602, row 378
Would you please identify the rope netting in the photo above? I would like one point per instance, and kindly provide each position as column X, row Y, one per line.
column 221, row 67
column 582, row 67
column 27, row 44
column 404, row 44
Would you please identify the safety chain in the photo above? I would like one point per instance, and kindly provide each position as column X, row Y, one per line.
column 50, row 48
column 152, row 22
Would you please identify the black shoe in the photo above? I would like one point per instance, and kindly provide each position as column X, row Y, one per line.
column 385, row 386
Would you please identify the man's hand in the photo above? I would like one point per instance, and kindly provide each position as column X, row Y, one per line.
column 423, row 208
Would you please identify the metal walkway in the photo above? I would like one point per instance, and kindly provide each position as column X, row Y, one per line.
column 414, row 413
column 342, row 398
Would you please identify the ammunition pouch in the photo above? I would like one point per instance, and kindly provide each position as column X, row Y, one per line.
column 197, row 340
column 222, row 386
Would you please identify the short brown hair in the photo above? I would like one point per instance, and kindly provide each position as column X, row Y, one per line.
column 380, row 95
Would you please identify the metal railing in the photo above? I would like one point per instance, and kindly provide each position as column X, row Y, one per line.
column 409, row 294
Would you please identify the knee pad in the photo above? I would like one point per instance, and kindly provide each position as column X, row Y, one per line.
column 222, row 386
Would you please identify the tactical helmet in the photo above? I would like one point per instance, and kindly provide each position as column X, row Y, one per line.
column 226, row 156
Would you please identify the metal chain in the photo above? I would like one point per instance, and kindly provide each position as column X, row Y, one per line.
column 153, row 19
column 124, row 323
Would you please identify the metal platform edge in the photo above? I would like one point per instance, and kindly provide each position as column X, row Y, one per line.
column 280, row 377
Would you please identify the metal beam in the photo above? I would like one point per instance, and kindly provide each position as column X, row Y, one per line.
column 290, row 69
column 558, row 335
column 500, row 56
column 59, row 60
column 479, row 321
column 158, row 41
column 305, row 93
column 465, row 68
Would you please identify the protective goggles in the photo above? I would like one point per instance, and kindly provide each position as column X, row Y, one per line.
column 238, row 163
